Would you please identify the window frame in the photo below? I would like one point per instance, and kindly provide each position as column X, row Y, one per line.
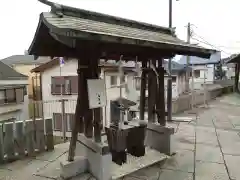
column 111, row 80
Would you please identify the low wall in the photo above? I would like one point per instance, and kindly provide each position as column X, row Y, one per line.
column 184, row 102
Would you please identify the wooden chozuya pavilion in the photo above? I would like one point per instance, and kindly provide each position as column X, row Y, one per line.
column 89, row 37
column 235, row 59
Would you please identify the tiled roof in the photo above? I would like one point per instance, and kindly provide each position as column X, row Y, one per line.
column 24, row 59
column 73, row 23
column 115, row 30
column 214, row 58
column 8, row 73
column 235, row 58
column 91, row 26
column 176, row 67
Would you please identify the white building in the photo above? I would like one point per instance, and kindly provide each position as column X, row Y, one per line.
column 203, row 69
column 13, row 94
column 52, row 79
column 179, row 73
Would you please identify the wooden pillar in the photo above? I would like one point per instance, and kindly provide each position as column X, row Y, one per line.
column 78, row 121
column 96, row 112
column 152, row 93
column 236, row 79
column 143, row 90
column 83, row 115
column 161, row 97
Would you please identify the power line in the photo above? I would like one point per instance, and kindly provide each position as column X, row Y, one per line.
column 206, row 42
column 228, row 47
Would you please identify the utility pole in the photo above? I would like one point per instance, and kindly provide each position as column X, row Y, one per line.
column 189, row 33
column 169, row 85
column 188, row 57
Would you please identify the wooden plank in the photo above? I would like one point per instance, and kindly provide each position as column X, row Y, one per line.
column 40, row 144
column 9, row 141
column 49, row 134
column 29, row 134
column 1, row 144
column 19, row 139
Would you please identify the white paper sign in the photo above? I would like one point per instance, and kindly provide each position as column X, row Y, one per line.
column 96, row 93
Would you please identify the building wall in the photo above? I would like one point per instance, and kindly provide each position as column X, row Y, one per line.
column 26, row 70
column 209, row 75
column 14, row 110
column 178, row 87
column 51, row 102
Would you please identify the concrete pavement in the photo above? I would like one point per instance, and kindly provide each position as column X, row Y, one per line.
column 207, row 148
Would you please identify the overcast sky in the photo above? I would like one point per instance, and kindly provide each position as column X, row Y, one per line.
column 215, row 21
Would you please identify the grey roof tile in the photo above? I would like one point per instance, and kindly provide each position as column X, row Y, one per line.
column 97, row 27
column 215, row 58
column 176, row 67
column 143, row 35
column 24, row 59
column 8, row 73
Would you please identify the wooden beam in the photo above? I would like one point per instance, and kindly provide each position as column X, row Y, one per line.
column 78, row 121
column 96, row 112
column 143, row 91
column 152, row 93
column 161, row 97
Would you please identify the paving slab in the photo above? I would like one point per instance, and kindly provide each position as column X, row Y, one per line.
column 86, row 176
column 179, row 144
column 129, row 178
column 52, row 155
column 183, row 160
column 167, row 174
column 207, row 171
column 16, row 165
column 208, row 154
column 233, row 163
column 207, row 138
column 182, row 138
column 25, row 169
column 227, row 136
column 4, row 174
column 186, row 129
column 150, row 173
column 51, row 170
column 235, row 120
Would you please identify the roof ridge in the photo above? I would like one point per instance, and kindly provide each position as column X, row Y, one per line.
column 61, row 9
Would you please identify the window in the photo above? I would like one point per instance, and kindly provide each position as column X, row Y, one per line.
column 113, row 80
column 19, row 95
column 57, row 120
column 10, row 96
column 25, row 91
column 65, row 85
column 69, row 120
column 15, row 95
column 56, row 85
column 196, row 73
column 138, row 83
column 174, row 79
